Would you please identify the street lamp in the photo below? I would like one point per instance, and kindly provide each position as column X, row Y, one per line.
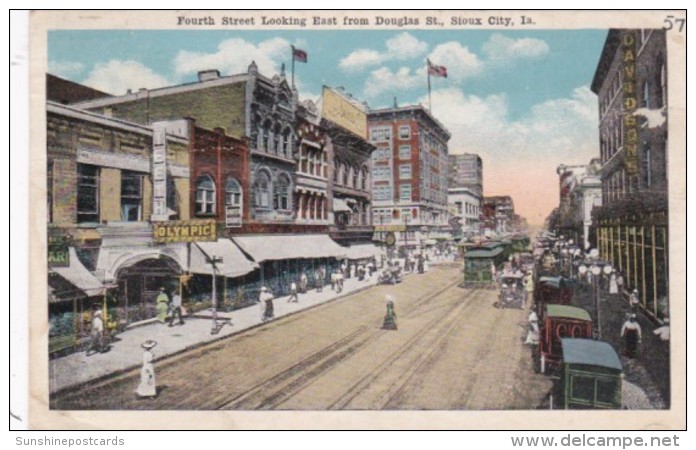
column 214, row 261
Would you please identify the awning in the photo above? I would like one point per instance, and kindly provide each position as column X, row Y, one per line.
column 234, row 263
column 297, row 246
column 362, row 251
column 78, row 275
column 339, row 205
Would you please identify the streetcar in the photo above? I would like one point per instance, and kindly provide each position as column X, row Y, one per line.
column 591, row 375
column 552, row 290
column 558, row 322
column 478, row 266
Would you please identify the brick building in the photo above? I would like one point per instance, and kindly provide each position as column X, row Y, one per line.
column 409, row 173
column 631, row 87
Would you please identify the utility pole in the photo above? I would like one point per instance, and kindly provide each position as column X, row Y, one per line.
column 213, row 261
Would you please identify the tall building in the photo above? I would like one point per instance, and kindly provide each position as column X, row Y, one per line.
column 409, row 173
column 631, row 86
column 466, row 171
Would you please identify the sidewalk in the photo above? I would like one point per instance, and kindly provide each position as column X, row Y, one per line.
column 649, row 372
column 126, row 354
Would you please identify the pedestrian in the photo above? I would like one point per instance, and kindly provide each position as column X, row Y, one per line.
column 334, row 279
column 293, row 293
column 303, row 283
column 352, row 270
column 620, row 282
column 529, row 286
column 162, row 306
column 148, row 383
column 533, row 330
column 632, row 336
column 613, row 285
column 663, row 331
column 634, row 300
column 266, row 301
column 493, row 271
column 389, row 322
column 96, row 333
column 339, row 282
column 176, row 310
column 421, row 269
column 344, row 269
column 319, row 279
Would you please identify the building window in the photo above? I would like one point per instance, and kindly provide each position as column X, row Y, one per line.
column 380, row 134
column 265, row 135
column 355, row 172
column 281, row 194
column 205, row 195
column 262, row 190
column 363, row 179
column 647, row 168
column 405, row 192
column 662, row 95
column 344, row 170
column 404, row 132
column 49, row 192
column 233, row 192
column 405, row 152
column 173, row 200
column 287, row 148
column 405, row 171
column 645, row 103
column 131, row 196
column 87, row 193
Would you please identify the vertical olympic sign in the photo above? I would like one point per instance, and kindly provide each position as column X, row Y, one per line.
column 630, row 102
column 159, row 172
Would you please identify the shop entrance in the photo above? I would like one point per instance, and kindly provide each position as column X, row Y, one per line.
column 140, row 283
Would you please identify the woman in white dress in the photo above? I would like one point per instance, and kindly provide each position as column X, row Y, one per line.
column 613, row 285
column 148, row 383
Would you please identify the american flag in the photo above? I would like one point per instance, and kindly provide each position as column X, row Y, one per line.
column 437, row 71
column 299, row 55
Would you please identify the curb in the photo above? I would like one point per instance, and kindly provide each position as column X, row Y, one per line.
column 164, row 359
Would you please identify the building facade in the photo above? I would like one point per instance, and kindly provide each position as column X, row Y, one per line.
column 466, row 171
column 580, row 193
column 499, row 216
column 409, row 173
column 100, row 186
column 465, row 205
column 632, row 224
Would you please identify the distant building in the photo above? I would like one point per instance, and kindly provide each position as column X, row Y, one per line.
column 632, row 223
column 580, row 192
column 466, row 171
column 409, row 173
column 499, row 215
column 465, row 205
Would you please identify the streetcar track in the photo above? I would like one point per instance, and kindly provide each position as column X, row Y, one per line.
column 430, row 355
column 283, row 384
column 361, row 385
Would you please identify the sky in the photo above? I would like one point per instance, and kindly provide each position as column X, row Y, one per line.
column 520, row 99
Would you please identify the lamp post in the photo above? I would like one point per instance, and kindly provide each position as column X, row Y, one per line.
column 214, row 261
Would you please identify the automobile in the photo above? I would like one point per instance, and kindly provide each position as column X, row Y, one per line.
column 512, row 293
column 592, row 375
column 557, row 323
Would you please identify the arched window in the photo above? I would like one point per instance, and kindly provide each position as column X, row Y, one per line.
column 344, row 170
column 276, row 139
column 287, row 144
column 281, row 193
column 262, row 190
column 233, row 192
column 363, row 181
column 336, row 168
column 205, row 195
column 355, row 172
column 265, row 135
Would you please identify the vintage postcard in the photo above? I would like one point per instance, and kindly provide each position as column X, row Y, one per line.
column 350, row 219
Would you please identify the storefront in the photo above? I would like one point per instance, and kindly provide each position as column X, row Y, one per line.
column 73, row 293
column 284, row 258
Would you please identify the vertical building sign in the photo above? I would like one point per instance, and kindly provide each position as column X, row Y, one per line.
column 630, row 103
column 159, row 173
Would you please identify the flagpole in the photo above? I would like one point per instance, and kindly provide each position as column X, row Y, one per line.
column 292, row 56
column 430, row 101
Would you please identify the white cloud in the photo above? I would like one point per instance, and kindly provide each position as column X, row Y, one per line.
column 65, row 69
column 405, row 46
column 520, row 156
column 400, row 47
column 234, row 56
column 383, row 80
column 461, row 63
column 116, row 77
column 501, row 49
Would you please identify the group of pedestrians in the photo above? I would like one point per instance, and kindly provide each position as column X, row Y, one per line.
column 169, row 310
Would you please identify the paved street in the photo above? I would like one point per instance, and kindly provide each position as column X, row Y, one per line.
column 453, row 350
